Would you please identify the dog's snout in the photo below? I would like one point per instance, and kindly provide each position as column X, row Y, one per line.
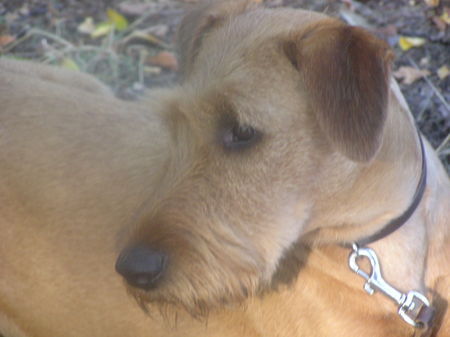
column 141, row 266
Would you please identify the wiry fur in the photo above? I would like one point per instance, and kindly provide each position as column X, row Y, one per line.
column 252, row 234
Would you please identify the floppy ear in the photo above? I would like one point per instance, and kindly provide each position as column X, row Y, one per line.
column 201, row 20
column 345, row 71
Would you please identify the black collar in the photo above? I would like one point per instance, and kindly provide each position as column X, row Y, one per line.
column 396, row 223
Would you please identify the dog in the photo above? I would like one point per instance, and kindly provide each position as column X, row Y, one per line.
column 227, row 203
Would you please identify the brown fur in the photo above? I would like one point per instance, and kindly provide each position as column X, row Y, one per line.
column 253, row 233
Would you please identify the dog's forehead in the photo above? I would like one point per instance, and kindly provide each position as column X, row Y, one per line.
column 265, row 21
column 257, row 26
column 241, row 63
column 242, row 41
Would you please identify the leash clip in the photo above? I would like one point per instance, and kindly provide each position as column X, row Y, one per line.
column 410, row 304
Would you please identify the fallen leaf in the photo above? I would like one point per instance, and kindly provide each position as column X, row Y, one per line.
column 165, row 60
column 87, row 26
column 102, row 29
column 408, row 42
column 118, row 20
column 440, row 24
column 409, row 75
column 443, row 72
column 445, row 15
column 69, row 64
column 432, row 3
column 152, row 70
column 6, row 39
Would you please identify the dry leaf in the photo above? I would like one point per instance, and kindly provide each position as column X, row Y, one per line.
column 408, row 42
column 165, row 60
column 409, row 74
column 118, row 20
column 87, row 26
column 443, row 72
column 69, row 64
column 152, row 70
column 6, row 39
column 445, row 15
column 102, row 29
column 432, row 3
column 440, row 24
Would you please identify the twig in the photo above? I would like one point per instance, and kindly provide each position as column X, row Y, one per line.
column 425, row 106
column 137, row 22
column 442, row 148
column 444, row 153
column 37, row 32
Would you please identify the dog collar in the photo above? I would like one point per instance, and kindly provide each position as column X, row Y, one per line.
column 396, row 223
column 413, row 307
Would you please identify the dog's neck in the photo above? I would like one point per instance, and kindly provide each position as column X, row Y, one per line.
column 363, row 198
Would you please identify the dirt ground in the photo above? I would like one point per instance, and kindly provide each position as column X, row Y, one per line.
column 141, row 55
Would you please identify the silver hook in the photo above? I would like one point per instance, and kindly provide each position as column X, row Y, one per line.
column 375, row 282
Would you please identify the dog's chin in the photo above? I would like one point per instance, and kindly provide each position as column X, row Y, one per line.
column 173, row 303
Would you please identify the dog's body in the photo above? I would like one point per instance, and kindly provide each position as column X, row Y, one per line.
column 84, row 175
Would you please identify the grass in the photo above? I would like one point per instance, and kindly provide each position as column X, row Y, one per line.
column 118, row 59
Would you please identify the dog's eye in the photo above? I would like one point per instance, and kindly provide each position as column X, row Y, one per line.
column 240, row 136
column 243, row 134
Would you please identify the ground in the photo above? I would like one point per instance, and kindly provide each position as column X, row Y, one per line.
column 131, row 47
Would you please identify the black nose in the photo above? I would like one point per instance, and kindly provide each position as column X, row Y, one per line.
column 141, row 266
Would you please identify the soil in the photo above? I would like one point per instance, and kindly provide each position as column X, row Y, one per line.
column 428, row 96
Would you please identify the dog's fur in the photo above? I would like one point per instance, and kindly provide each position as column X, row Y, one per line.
column 253, row 232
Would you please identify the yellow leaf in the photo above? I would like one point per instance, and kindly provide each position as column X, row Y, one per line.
column 102, row 29
column 407, row 43
column 445, row 17
column 69, row 64
column 443, row 72
column 118, row 20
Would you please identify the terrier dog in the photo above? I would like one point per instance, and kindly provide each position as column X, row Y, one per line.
column 229, row 199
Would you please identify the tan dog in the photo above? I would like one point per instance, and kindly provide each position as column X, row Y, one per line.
column 286, row 132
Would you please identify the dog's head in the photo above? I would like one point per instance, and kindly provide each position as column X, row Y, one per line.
column 266, row 97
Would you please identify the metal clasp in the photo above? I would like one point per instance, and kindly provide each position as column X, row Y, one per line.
column 409, row 303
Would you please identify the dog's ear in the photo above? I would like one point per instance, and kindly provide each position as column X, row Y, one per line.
column 201, row 20
column 345, row 71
